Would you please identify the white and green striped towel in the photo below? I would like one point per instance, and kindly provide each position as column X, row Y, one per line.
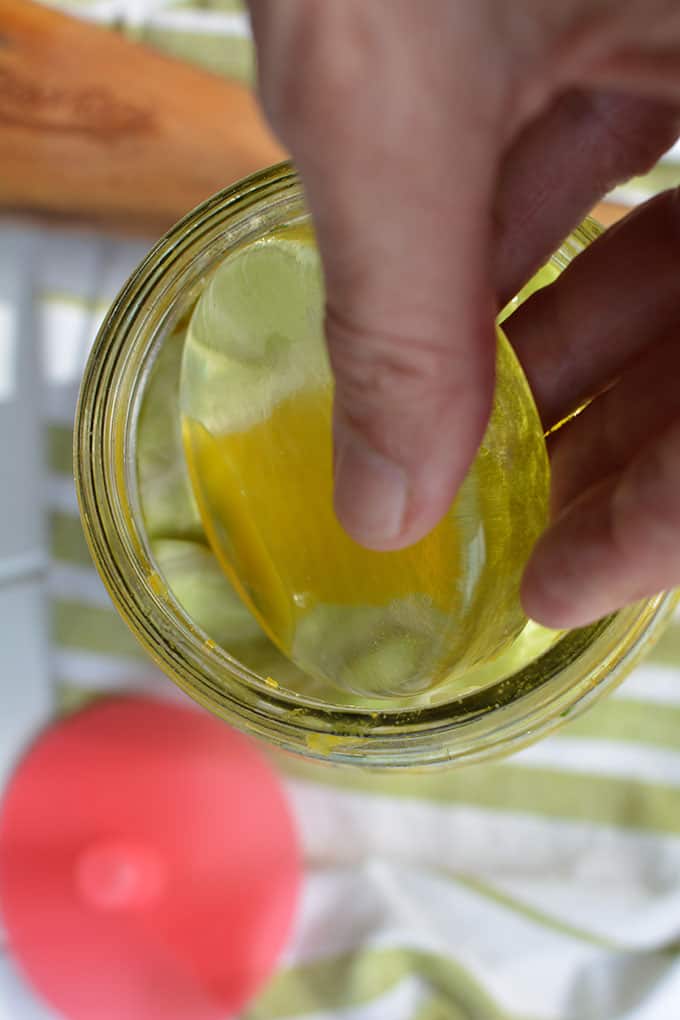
column 543, row 888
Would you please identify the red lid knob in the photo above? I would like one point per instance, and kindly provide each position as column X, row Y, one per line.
column 149, row 868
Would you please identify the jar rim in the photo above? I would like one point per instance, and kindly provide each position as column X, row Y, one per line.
column 499, row 718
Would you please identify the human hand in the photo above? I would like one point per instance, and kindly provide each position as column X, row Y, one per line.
column 607, row 331
column 446, row 150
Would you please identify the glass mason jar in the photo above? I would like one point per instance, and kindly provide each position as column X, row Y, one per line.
column 532, row 696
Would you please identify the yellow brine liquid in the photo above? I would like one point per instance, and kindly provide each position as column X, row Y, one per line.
column 256, row 395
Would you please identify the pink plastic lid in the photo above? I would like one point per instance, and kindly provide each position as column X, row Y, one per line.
column 149, row 868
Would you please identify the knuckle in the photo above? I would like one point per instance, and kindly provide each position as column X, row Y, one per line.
column 376, row 371
column 306, row 83
column 636, row 133
column 647, row 505
column 662, row 526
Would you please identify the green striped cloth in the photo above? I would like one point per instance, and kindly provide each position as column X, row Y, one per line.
column 544, row 888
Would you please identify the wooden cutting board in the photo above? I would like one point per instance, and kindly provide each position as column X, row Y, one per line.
column 98, row 128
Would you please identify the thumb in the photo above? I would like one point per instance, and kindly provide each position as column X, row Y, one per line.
column 413, row 363
column 399, row 172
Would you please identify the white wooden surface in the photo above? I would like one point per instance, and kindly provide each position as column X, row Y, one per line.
column 25, row 697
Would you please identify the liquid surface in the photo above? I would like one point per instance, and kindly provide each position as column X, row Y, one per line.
column 192, row 574
column 256, row 395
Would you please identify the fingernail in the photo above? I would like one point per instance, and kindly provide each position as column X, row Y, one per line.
column 370, row 490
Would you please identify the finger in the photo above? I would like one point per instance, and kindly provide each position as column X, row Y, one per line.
column 616, row 544
column 577, row 335
column 562, row 164
column 645, row 58
column 396, row 140
column 613, row 429
column 405, row 381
